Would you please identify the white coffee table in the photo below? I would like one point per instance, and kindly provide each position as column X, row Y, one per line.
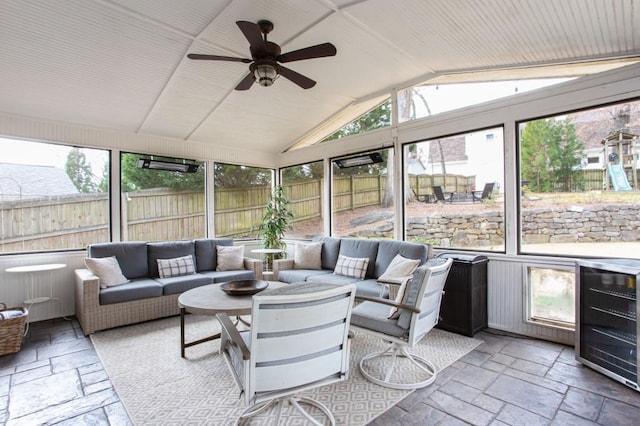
column 211, row 300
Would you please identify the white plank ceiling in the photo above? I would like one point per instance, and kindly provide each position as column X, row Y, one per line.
column 122, row 64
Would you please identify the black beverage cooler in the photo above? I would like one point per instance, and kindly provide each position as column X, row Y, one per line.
column 606, row 317
column 464, row 304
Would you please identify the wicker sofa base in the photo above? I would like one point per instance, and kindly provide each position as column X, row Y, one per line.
column 94, row 317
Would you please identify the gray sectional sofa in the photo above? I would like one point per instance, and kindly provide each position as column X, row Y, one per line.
column 147, row 296
column 379, row 252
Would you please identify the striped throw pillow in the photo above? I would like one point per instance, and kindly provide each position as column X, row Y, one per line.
column 176, row 267
column 351, row 267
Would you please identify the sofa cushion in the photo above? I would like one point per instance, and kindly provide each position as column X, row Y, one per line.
column 131, row 255
column 230, row 258
column 107, row 269
column 357, row 248
column 332, row 279
column 176, row 267
column 371, row 287
column 330, row 251
column 206, row 253
column 137, row 289
column 183, row 283
column 388, row 249
column 223, row 276
column 296, row 275
column 308, row 256
column 167, row 250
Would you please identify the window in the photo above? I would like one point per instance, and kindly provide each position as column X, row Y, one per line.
column 454, row 191
column 377, row 118
column 52, row 197
column 569, row 205
column 241, row 194
column 362, row 199
column 304, row 188
column 551, row 296
column 161, row 205
column 432, row 99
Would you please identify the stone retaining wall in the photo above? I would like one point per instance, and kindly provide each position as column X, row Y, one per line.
column 571, row 224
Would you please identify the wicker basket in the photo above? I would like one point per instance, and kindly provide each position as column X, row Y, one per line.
column 12, row 331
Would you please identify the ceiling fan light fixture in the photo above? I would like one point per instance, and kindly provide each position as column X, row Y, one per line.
column 265, row 74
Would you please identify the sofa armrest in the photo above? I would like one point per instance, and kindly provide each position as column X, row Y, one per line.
column 254, row 265
column 87, row 294
column 281, row 265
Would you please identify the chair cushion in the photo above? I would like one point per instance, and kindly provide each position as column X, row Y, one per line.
column 412, row 290
column 131, row 255
column 176, row 267
column 206, row 253
column 373, row 316
column 357, row 248
column 308, row 256
column 167, row 250
column 107, row 269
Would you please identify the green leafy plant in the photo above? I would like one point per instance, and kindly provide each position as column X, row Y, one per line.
column 276, row 220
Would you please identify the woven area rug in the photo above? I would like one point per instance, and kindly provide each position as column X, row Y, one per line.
column 159, row 387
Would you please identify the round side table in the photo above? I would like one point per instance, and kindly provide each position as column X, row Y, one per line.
column 32, row 298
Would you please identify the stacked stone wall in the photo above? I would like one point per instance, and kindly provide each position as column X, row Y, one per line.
column 571, row 224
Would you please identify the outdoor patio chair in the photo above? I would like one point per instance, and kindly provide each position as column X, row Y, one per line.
column 298, row 341
column 402, row 324
column 445, row 197
column 485, row 194
column 425, row 198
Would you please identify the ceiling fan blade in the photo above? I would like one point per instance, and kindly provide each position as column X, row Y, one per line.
column 218, row 58
column 253, row 34
column 246, row 82
column 299, row 79
column 317, row 51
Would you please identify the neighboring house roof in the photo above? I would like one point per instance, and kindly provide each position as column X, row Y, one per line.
column 22, row 180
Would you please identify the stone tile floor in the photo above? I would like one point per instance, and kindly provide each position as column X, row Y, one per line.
column 57, row 378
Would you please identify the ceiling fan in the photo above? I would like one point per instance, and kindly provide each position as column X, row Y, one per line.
column 265, row 59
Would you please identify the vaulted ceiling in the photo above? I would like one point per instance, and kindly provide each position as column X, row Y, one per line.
column 122, row 64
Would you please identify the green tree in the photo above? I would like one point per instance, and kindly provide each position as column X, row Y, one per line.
column 276, row 220
column 233, row 176
column 551, row 154
column 136, row 179
column 79, row 171
column 374, row 119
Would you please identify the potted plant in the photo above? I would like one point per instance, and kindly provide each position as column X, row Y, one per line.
column 275, row 222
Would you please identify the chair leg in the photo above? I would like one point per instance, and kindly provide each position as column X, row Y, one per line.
column 295, row 403
column 395, row 351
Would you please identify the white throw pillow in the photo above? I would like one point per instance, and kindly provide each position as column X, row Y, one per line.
column 230, row 258
column 107, row 269
column 351, row 266
column 176, row 267
column 394, row 313
column 308, row 256
column 399, row 267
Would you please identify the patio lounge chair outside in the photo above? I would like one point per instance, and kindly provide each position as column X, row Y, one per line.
column 440, row 194
column 486, row 192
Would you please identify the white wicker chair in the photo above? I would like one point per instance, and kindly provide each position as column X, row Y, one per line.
column 417, row 315
column 298, row 341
